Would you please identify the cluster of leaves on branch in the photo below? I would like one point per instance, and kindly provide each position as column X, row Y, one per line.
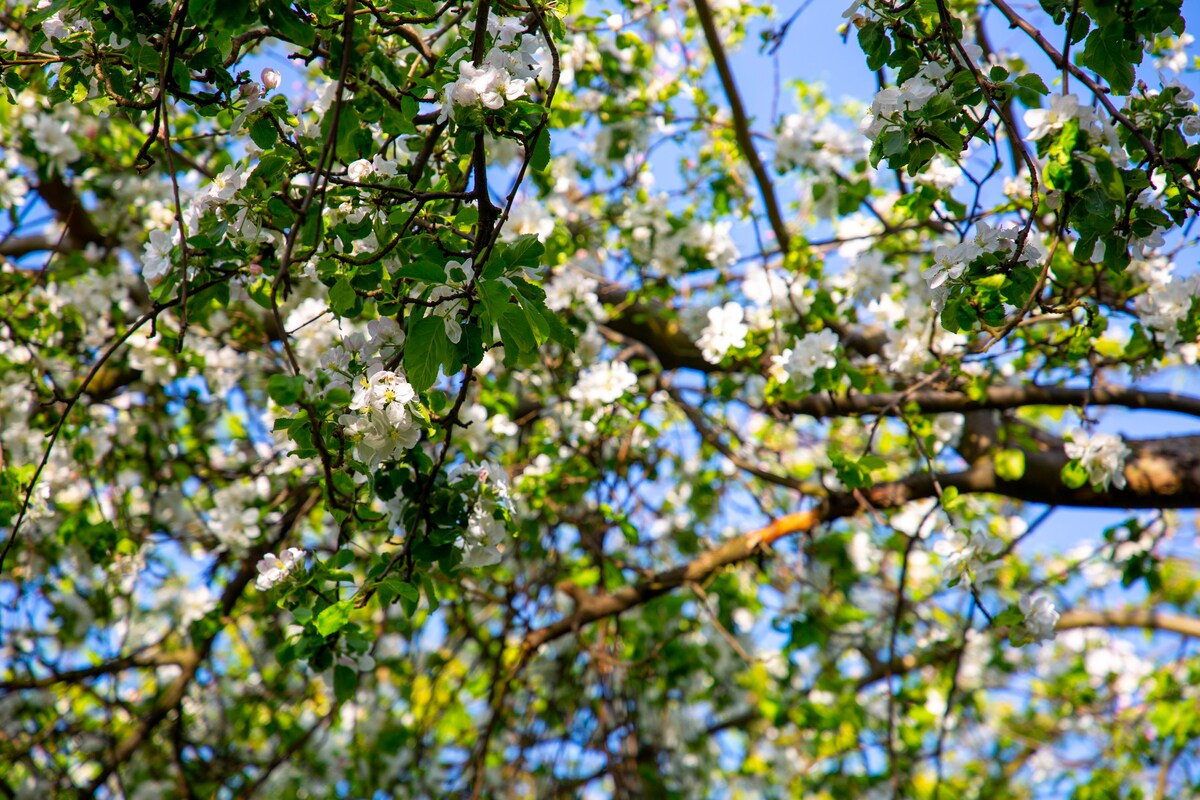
column 430, row 398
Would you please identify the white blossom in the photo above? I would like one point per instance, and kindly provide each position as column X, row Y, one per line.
column 360, row 170
column 1102, row 455
column 726, row 330
column 482, row 543
column 156, row 258
column 799, row 363
column 1063, row 108
column 1176, row 57
column 1167, row 303
column 486, row 85
column 529, row 217
column 1040, row 616
column 970, row 557
column 384, row 424
column 272, row 569
column 603, row 383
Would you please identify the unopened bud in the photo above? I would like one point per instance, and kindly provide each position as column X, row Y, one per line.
column 270, row 78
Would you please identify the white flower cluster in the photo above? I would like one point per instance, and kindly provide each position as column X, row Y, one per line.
column 237, row 518
column 384, row 420
column 156, row 258
column 529, row 218
column 383, row 425
column 482, row 544
column 1174, row 57
column 220, row 192
column 272, row 568
column 603, row 383
column 573, row 287
column 507, row 69
column 458, row 276
column 1166, row 303
column 1040, row 617
column 51, row 134
column 358, row 171
column 726, row 330
column 951, row 261
column 773, row 293
column 63, row 24
column 820, row 145
column 911, row 95
column 1102, row 455
column 659, row 239
column 799, row 363
column 970, row 557
column 1064, row 108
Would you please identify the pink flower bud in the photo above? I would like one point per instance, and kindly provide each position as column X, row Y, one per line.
column 270, row 78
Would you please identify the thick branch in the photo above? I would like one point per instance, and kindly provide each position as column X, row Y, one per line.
column 1161, row 473
column 652, row 324
column 995, row 398
column 655, row 325
column 24, row 245
column 1147, row 618
column 590, row 608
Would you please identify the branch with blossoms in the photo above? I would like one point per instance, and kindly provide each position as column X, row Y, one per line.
column 551, row 315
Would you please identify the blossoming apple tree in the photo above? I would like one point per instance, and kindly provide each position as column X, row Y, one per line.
column 417, row 399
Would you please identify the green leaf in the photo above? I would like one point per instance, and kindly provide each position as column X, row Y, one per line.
column 423, row 351
column 342, row 297
column 430, row 593
column 526, row 251
column 515, row 330
column 404, row 589
column 263, row 132
column 1032, row 81
column 342, row 557
column 950, row 498
column 470, row 346
column 495, row 296
column 873, row 40
column 345, row 682
column 285, row 389
column 540, row 158
column 1112, row 54
column 1010, row 464
column 426, row 271
column 920, row 156
column 408, row 594
column 287, row 24
column 333, row 618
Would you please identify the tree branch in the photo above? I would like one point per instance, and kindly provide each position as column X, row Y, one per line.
column 590, row 608
column 994, row 398
column 303, row 499
column 1161, row 473
column 741, row 124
